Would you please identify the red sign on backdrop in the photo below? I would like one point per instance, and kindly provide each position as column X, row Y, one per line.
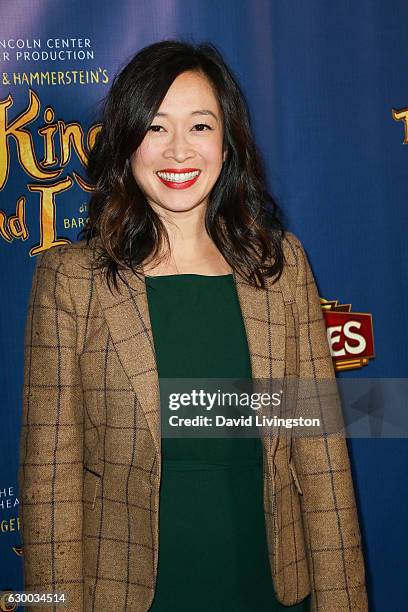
column 350, row 335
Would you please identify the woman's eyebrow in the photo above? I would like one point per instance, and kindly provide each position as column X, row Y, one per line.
column 197, row 112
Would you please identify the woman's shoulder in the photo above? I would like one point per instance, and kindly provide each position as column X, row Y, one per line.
column 70, row 259
column 292, row 247
column 293, row 254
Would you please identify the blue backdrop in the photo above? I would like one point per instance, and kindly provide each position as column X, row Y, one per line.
column 328, row 94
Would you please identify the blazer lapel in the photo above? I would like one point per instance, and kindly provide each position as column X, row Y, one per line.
column 127, row 316
column 264, row 316
column 263, row 312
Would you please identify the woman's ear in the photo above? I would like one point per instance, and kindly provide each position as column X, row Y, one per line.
column 224, row 157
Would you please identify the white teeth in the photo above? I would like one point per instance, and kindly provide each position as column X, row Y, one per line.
column 178, row 178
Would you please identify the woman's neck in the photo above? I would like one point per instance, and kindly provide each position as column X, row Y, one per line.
column 191, row 249
column 198, row 257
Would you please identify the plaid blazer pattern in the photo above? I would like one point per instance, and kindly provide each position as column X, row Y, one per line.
column 90, row 445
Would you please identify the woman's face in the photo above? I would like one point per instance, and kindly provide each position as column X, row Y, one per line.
column 181, row 156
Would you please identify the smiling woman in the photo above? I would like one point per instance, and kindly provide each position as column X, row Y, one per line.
column 179, row 140
column 207, row 284
column 175, row 110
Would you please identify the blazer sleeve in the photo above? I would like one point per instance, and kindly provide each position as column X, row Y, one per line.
column 331, row 527
column 51, row 441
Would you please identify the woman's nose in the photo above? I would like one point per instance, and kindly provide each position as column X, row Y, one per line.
column 179, row 148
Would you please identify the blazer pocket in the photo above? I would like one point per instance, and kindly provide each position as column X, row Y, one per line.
column 91, row 485
column 295, row 477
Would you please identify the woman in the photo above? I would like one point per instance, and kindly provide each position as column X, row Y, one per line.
column 185, row 272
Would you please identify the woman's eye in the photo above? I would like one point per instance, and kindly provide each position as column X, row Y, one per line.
column 201, row 126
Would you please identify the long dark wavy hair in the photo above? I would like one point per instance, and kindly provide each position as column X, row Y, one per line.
column 242, row 218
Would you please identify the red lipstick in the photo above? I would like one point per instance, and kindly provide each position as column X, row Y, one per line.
column 175, row 184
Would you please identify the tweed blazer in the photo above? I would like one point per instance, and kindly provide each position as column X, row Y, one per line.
column 90, row 450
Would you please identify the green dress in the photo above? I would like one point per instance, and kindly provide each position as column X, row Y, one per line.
column 213, row 551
